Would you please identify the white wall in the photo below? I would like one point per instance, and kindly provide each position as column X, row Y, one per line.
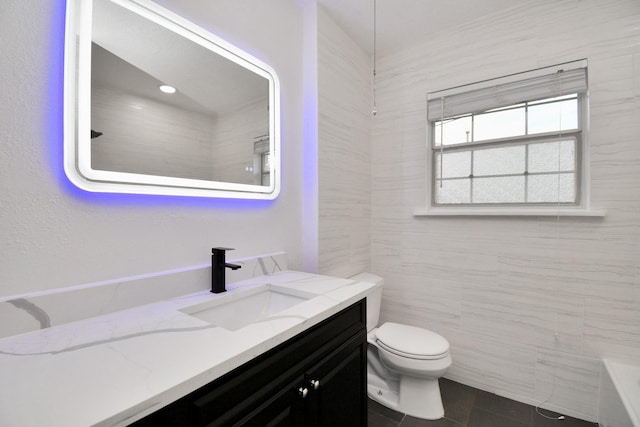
column 501, row 288
column 344, row 152
column 54, row 235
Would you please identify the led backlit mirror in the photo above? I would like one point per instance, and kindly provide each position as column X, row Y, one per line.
column 216, row 135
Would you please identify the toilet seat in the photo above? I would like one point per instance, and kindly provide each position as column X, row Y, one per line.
column 411, row 342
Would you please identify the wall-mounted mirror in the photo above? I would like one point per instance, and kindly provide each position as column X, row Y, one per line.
column 156, row 105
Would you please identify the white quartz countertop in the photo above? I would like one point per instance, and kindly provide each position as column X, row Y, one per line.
column 114, row 369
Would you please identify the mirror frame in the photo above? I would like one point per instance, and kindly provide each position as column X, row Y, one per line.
column 77, row 110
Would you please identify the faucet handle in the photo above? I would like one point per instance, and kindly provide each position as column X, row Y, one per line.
column 221, row 249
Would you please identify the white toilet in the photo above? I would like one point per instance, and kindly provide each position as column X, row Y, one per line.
column 404, row 362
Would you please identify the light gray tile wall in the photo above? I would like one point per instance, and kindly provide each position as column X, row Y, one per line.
column 234, row 133
column 163, row 140
column 153, row 138
column 528, row 304
column 344, row 152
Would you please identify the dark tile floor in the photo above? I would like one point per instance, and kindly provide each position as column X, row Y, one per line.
column 466, row 406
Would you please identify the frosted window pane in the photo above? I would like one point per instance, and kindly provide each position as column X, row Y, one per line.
column 454, row 131
column 553, row 117
column 499, row 124
column 499, row 161
column 498, row 190
column 552, row 156
column 453, row 191
column 454, row 165
column 551, row 188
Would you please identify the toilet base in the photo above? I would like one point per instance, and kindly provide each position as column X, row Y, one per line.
column 418, row 397
column 385, row 397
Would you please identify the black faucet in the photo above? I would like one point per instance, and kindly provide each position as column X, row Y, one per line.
column 218, row 266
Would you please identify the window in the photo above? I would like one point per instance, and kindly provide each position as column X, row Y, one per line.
column 513, row 141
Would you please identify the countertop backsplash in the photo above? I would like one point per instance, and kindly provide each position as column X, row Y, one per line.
column 40, row 310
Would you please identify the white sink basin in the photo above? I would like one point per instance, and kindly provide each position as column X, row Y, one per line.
column 237, row 309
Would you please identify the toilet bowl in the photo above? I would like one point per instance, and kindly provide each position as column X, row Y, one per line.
column 403, row 362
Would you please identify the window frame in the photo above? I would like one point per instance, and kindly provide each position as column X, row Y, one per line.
column 516, row 141
column 579, row 208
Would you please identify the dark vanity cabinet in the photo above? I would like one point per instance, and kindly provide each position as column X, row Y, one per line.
column 317, row 378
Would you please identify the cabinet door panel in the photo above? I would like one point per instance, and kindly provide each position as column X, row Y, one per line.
column 340, row 397
column 284, row 409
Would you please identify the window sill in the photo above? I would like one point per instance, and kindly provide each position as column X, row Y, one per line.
column 477, row 211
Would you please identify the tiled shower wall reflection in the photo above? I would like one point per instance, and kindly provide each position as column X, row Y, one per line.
column 529, row 304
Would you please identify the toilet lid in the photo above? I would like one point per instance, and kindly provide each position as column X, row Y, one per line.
column 410, row 341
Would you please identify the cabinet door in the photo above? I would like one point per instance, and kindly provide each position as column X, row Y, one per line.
column 337, row 385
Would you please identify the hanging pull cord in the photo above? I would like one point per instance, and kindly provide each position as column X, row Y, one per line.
column 374, row 111
column 441, row 136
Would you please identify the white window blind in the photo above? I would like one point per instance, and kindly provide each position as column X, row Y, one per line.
column 543, row 83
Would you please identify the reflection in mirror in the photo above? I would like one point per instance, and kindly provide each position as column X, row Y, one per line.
column 215, row 134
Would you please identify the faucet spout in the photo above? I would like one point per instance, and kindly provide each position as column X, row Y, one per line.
column 232, row 266
column 218, row 267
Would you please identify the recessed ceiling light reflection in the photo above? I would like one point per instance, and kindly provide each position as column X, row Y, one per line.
column 167, row 89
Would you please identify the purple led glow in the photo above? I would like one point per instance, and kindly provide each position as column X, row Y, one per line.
column 55, row 143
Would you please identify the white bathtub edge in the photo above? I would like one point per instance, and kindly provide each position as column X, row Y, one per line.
column 625, row 378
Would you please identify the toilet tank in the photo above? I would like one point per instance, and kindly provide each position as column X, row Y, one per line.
column 373, row 299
